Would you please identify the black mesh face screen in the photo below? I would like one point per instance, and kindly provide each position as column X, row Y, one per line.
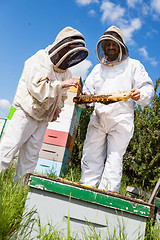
column 69, row 39
column 55, row 59
column 114, row 34
column 101, row 50
column 73, row 59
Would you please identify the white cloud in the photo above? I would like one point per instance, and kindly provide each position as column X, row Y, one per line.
column 111, row 12
column 92, row 12
column 152, row 33
column 132, row 3
column 145, row 9
column 115, row 15
column 155, row 4
column 81, row 69
column 4, row 104
column 86, row 2
column 129, row 29
column 144, row 53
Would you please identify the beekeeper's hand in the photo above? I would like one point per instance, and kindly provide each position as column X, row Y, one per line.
column 135, row 94
column 56, row 115
column 69, row 83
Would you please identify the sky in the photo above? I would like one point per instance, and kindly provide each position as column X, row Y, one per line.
column 27, row 26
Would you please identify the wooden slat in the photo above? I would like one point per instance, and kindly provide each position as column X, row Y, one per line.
column 68, row 110
column 57, row 138
column 46, row 166
column 71, row 145
column 52, row 152
column 70, row 96
column 65, row 125
column 61, row 124
column 66, row 161
column 74, row 123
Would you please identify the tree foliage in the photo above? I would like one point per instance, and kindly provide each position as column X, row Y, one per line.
column 142, row 158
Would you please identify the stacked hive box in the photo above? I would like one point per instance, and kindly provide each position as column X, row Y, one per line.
column 4, row 122
column 2, row 125
column 92, row 212
column 59, row 138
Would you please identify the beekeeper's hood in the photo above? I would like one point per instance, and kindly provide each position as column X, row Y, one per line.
column 68, row 49
column 115, row 34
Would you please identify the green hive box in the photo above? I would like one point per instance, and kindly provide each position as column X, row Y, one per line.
column 56, row 199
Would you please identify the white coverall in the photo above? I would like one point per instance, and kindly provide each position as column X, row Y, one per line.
column 39, row 98
column 111, row 126
column 29, row 122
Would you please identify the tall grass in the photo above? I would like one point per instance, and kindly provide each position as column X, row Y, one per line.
column 12, row 201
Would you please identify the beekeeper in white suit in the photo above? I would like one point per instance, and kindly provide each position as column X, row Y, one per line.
column 39, row 98
column 111, row 126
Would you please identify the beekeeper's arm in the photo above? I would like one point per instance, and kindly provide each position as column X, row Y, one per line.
column 38, row 72
column 143, row 89
column 65, row 85
column 38, row 75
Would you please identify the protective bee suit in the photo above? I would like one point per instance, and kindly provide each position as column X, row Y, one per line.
column 39, row 98
column 111, row 126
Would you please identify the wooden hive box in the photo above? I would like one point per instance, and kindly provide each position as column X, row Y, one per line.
column 109, row 213
column 58, row 142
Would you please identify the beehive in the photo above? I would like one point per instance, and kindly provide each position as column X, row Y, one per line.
column 109, row 213
column 59, row 138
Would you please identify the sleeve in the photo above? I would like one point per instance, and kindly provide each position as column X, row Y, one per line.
column 144, row 84
column 38, row 77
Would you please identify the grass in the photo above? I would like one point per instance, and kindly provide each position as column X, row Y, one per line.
column 15, row 225
column 12, row 201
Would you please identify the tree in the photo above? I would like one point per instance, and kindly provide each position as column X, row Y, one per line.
column 142, row 158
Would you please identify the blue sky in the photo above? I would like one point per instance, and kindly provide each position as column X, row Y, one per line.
column 27, row 26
